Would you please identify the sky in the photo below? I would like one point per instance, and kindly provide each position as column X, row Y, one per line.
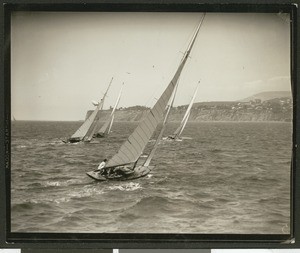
column 62, row 61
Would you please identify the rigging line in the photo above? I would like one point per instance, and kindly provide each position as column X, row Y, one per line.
column 190, row 39
column 152, row 97
column 196, row 34
column 190, row 42
column 175, row 61
column 105, row 94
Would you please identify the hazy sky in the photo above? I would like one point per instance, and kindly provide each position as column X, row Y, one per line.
column 63, row 61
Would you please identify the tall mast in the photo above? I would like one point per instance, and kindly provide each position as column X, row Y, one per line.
column 107, row 126
column 90, row 127
column 133, row 147
column 188, row 51
column 106, row 93
column 186, row 115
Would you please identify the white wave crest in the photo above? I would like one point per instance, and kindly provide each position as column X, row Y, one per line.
column 126, row 187
column 86, row 191
column 21, row 146
column 62, row 183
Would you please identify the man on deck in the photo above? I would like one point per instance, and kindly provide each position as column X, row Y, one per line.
column 101, row 166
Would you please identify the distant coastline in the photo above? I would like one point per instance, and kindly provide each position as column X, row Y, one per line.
column 265, row 106
column 275, row 106
column 207, row 114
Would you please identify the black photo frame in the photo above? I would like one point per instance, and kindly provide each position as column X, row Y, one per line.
column 10, row 239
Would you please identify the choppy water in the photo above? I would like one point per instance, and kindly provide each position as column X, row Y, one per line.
column 229, row 178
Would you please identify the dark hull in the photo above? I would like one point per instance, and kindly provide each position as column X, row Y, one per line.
column 139, row 171
column 74, row 140
column 98, row 135
column 170, row 138
column 71, row 140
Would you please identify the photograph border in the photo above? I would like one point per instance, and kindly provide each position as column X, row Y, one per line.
column 149, row 240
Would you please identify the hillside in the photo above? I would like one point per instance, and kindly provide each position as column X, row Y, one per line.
column 265, row 106
column 264, row 96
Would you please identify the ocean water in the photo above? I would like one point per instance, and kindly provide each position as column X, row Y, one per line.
column 227, row 177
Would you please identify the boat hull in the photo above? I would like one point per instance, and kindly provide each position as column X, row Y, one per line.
column 96, row 175
column 139, row 171
column 71, row 140
column 99, row 135
column 172, row 139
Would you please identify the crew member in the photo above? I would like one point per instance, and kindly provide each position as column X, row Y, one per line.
column 101, row 166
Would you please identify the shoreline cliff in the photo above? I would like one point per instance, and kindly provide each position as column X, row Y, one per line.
column 265, row 106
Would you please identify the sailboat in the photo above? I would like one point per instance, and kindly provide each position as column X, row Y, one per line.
column 176, row 135
column 83, row 131
column 124, row 164
column 97, row 130
column 105, row 129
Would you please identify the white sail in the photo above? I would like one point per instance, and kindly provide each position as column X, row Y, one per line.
column 108, row 124
column 111, row 122
column 133, row 147
column 84, row 128
column 183, row 126
column 87, row 126
column 186, row 116
column 147, row 162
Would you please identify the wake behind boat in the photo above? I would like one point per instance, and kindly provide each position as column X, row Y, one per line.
column 123, row 165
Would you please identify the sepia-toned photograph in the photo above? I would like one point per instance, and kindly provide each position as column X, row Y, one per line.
column 151, row 122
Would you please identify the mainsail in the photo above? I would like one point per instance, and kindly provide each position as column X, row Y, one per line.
column 186, row 116
column 88, row 123
column 105, row 129
column 149, row 158
column 133, row 147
